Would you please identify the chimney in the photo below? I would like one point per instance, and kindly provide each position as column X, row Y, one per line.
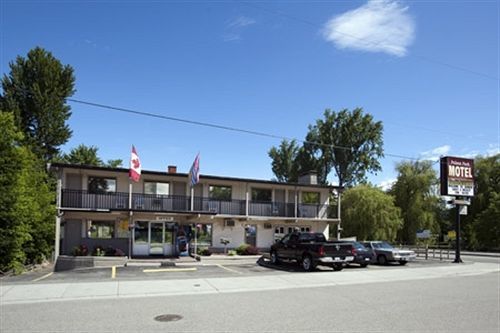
column 172, row 169
column 309, row 178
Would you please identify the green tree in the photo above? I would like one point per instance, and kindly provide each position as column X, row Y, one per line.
column 35, row 91
column 370, row 213
column 480, row 230
column 27, row 213
column 414, row 192
column 349, row 142
column 87, row 155
column 284, row 158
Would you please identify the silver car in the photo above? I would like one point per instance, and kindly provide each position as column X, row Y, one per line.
column 383, row 252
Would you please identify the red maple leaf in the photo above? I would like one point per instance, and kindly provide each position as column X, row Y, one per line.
column 136, row 164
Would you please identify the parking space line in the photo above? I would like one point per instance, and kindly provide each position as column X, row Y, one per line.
column 113, row 272
column 43, row 277
column 169, row 270
column 229, row 269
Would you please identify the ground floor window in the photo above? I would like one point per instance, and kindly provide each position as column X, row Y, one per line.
column 141, row 232
column 100, row 229
column 281, row 230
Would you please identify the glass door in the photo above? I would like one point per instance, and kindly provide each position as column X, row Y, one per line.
column 156, row 238
column 251, row 234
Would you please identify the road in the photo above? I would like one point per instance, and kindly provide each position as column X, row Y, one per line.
column 450, row 304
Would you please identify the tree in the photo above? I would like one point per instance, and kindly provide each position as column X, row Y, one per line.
column 87, row 155
column 349, row 142
column 284, row 158
column 414, row 192
column 26, row 217
column 35, row 91
column 481, row 230
column 369, row 213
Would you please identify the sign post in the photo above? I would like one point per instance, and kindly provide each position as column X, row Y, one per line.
column 457, row 180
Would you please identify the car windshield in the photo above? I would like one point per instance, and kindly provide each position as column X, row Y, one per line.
column 358, row 246
column 382, row 245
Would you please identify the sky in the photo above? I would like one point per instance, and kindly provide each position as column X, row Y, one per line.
column 429, row 70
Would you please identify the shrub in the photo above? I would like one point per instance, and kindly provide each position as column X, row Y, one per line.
column 231, row 253
column 204, row 252
column 110, row 251
column 240, row 250
column 251, row 250
column 81, row 250
column 98, row 251
column 246, row 249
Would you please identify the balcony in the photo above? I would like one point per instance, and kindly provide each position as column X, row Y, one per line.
column 84, row 200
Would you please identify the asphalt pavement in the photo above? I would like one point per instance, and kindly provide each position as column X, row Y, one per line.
column 218, row 278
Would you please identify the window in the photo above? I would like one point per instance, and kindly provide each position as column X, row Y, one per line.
column 156, row 188
column 220, row 192
column 310, row 198
column 203, row 234
column 100, row 229
column 141, row 232
column 101, row 185
column 262, row 195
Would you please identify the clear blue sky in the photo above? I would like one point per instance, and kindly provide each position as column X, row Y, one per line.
column 427, row 69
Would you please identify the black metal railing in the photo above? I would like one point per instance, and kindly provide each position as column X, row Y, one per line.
column 87, row 200
column 177, row 203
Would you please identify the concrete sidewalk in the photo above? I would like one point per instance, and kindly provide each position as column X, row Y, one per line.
column 33, row 293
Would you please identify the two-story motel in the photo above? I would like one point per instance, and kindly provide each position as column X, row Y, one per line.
column 158, row 216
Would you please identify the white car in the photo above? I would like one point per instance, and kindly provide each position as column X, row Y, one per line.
column 383, row 252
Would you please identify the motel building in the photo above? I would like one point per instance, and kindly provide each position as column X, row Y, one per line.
column 157, row 216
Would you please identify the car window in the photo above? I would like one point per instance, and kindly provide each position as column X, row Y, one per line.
column 294, row 237
column 359, row 246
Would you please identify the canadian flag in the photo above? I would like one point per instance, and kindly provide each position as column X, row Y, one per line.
column 135, row 166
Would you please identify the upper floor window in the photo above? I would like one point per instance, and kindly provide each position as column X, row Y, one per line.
column 100, row 185
column 262, row 195
column 220, row 192
column 310, row 198
column 156, row 188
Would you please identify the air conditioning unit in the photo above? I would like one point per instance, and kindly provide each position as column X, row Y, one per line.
column 229, row 223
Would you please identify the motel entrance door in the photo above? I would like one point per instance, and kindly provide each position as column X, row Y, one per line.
column 153, row 238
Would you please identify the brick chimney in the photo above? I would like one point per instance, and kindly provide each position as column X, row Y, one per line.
column 172, row 169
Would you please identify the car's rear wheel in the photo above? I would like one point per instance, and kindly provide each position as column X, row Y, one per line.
column 363, row 265
column 274, row 258
column 307, row 263
column 382, row 260
column 402, row 262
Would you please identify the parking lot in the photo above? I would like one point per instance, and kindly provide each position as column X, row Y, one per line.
column 205, row 269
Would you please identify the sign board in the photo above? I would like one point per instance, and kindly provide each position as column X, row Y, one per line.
column 463, row 210
column 423, row 234
column 457, row 176
column 452, row 235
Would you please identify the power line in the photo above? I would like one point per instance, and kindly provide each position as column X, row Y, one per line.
column 222, row 127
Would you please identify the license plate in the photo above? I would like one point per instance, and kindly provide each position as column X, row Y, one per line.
column 404, row 258
column 367, row 259
column 337, row 259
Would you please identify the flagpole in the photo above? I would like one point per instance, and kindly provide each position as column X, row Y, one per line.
column 130, row 224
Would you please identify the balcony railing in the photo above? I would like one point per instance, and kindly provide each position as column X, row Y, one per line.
column 81, row 199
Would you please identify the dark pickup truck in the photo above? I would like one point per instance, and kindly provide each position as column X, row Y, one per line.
column 311, row 249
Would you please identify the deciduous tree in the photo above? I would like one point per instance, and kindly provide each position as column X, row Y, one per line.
column 415, row 193
column 370, row 214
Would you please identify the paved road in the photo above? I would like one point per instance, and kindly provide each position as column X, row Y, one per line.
column 447, row 303
column 205, row 269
